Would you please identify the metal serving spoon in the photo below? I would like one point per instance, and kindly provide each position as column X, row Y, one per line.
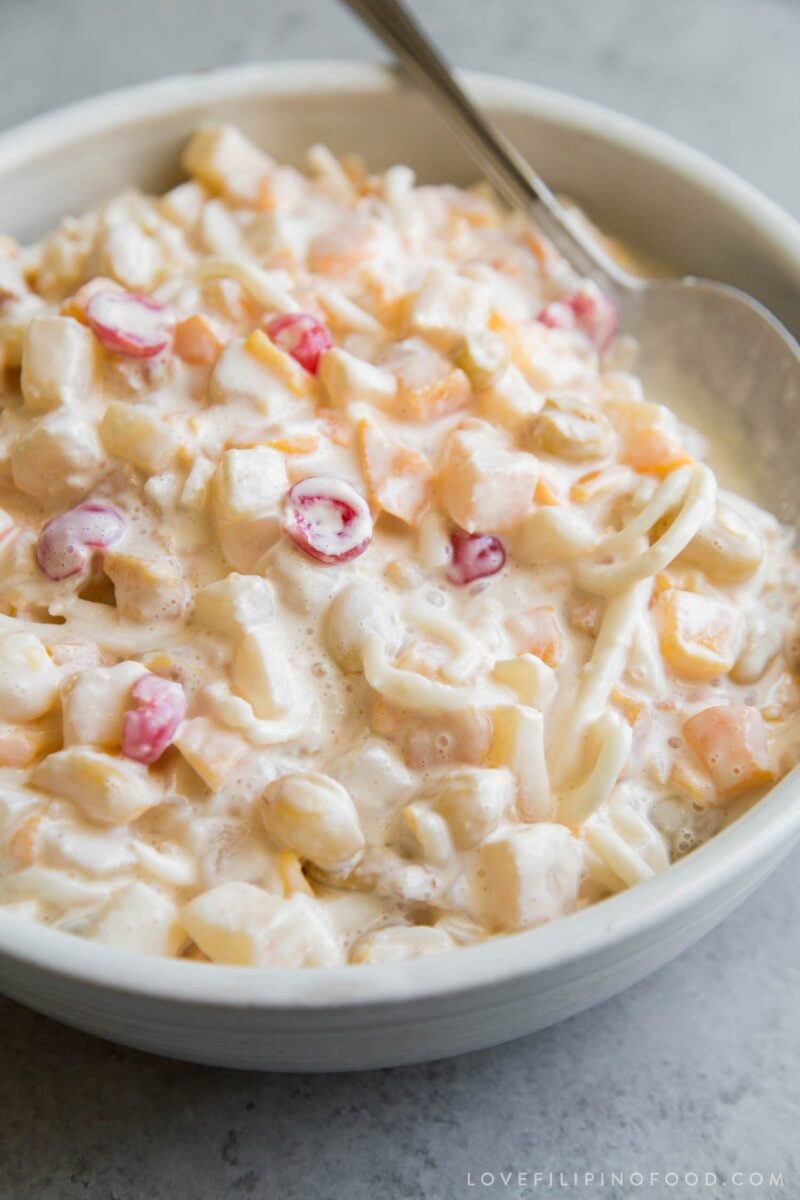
column 708, row 350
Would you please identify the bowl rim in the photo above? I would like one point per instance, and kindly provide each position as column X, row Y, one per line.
column 760, row 836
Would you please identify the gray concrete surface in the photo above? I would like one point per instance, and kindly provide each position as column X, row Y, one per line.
column 694, row 1070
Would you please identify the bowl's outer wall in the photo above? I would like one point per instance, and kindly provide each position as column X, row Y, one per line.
column 660, row 196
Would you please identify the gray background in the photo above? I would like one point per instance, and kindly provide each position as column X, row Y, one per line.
column 693, row 1070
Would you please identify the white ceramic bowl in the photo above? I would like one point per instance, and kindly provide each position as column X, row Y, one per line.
column 661, row 195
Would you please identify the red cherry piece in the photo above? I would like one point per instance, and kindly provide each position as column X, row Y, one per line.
column 130, row 324
column 588, row 311
column 327, row 519
column 302, row 336
column 149, row 727
column 66, row 543
column 475, row 556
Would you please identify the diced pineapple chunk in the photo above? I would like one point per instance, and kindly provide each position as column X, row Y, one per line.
column 655, row 451
column 241, row 924
column 510, row 400
column 311, row 814
column 28, row 678
column 139, row 434
column 398, row 479
column 263, row 675
column 470, row 801
column 58, row 363
column 109, row 790
column 241, row 375
column 283, row 366
column 447, row 305
column 21, row 745
column 94, row 703
column 211, row 751
column 428, row 386
column 147, row 587
column 527, row 877
column 347, row 378
column 247, row 491
column 518, row 743
column 401, row 943
column 732, row 743
column 224, row 159
column 141, row 919
column 236, row 603
column 57, row 460
column 700, row 636
column 482, row 485
column 553, row 534
column 530, row 677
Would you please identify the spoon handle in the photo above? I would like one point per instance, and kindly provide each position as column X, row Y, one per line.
column 500, row 161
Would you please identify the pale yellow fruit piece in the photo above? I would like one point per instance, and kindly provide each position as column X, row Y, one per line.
column 346, row 378
column 446, row 306
column 518, row 743
column 109, row 790
column 141, row 919
column 211, row 751
column 243, row 925
column 263, row 675
column 223, row 158
column 58, row 363
column 731, row 741
column 398, row 479
column 247, row 490
column 530, row 677
column 483, row 486
column 313, row 815
column 147, row 587
column 471, row 801
column 401, row 943
column 138, row 434
column 284, row 367
column 235, row 604
column 553, row 533
column 57, row 460
column 94, row 703
column 527, row 877
column 700, row 637
column 510, row 400
column 28, row 678
column 240, row 375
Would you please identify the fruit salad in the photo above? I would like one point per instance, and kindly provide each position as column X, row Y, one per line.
column 356, row 604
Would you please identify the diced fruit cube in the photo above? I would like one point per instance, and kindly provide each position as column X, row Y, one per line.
column 313, row 815
column 28, row 678
column 109, row 790
column 655, row 451
column 211, row 751
column 247, row 491
column 139, row 434
column 140, row 919
column 732, row 743
column 57, row 460
column 243, row 925
column 471, row 801
column 284, row 366
column 219, row 156
column 553, row 534
column 236, row 603
column 58, row 363
column 700, row 636
column 482, row 485
column 728, row 547
column 347, row 378
column 447, row 305
column 263, row 675
column 428, row 386
column 94, row 703
column 531, row 678
column 147, row 587
column 527, row 877
column 518, row 743
column 398, row 479
column 198, row 339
